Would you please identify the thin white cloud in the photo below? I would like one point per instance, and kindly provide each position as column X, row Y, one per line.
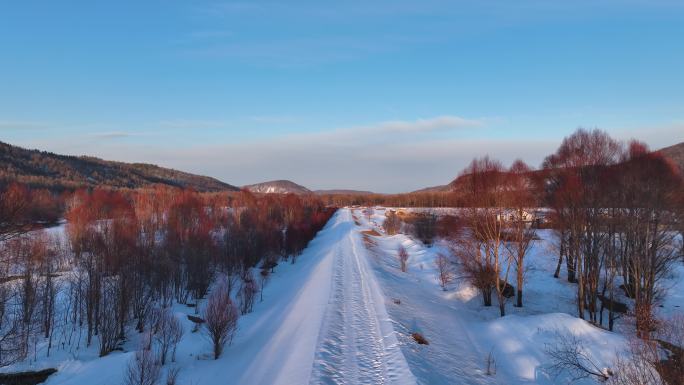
column 191, row 123
column 393, row 167
column 388, row 156
column 658, row 136
column 273, row 119
column 21, row 125
column 111, row 135
column 426, row 125
column 385, row 131
column 293, row 52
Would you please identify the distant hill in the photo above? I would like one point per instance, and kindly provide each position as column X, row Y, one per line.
column 60, row 172
column 277, row 187
column 676, row 154
column 436, row 189
column 343, row 192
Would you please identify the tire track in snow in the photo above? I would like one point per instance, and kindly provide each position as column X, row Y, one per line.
column 330, row 354
column 355, row 347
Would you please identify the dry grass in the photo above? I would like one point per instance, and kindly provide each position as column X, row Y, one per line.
column 369, row 242
column 371, row 232
column 356, row 220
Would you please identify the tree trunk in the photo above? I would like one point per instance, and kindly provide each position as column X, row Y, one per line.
column 556, row 274
column 487, row 297
column 560, row 254
column 519, row 293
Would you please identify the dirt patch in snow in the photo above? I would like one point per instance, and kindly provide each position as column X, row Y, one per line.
column 420, row 339
column 371, row 232
column 26, row 378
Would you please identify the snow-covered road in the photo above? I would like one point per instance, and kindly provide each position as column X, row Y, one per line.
column 323, row 321
column 357, row 343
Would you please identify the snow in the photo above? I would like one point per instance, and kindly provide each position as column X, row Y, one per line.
column 344, row 314
column 462, row 332
column 105, row 370
column 519, row 344
column 673, row 302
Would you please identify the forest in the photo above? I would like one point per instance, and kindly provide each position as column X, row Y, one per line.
column 130, row 254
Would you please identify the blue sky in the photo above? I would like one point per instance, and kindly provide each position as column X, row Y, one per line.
column 387, row 96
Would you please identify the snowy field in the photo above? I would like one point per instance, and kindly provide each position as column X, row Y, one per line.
column 345, row 314
column 462, row 333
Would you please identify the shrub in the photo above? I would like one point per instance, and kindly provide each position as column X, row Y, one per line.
column 221, row 318
column 142, row 369
column 402, row 254
column 392, row 223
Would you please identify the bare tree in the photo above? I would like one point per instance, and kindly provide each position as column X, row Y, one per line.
column 142, row 369
column 14, row 220
column 11, row 349
column 221, row 318
column 490, row 363
column 475, row 265
column 648, row 237
column 403, row 256
column 657, row 361
column 576, row 175
column 519, row 230
column 568, row 354
column 444, row 270
column 12, row 341
column 481, row 247
column 369, row 213
column 670, row 340
column 247, row 293
column 169, row 333
column 638, row 366
column 108, row 318
column 48, row 288
column 26, row 252
column 172, row 375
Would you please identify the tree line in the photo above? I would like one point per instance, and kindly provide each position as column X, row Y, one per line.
column 129, row 255
column 617, row 212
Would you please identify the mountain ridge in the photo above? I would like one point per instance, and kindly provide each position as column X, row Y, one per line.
column 676, row 154
column 343, row 192
column 67, row 172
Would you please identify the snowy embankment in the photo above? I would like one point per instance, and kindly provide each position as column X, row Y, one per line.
column 462, row 333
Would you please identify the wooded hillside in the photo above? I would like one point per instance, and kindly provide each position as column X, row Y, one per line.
column 61, row 172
